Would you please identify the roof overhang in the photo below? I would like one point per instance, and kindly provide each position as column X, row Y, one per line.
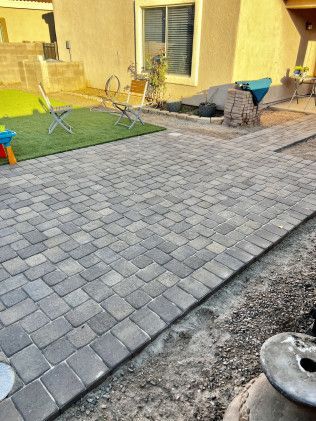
column 300, row 4
column 27, row 4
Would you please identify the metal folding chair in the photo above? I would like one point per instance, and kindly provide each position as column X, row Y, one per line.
column 112, row 88
column 132, row 108
column 58, row 113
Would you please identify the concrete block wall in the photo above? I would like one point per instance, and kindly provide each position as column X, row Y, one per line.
column 13, row 53
column 55, row 76
column 65, row 76
column 30, row 74
column 240, row 109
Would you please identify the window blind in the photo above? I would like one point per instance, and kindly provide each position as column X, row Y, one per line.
column 170, row 29
column 154, row 32
column 180, row 39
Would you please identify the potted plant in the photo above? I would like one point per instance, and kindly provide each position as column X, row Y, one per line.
column 300, row 72
column 207, row 108
column 173, row 105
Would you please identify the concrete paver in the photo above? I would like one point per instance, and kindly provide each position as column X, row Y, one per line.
column 102, row 248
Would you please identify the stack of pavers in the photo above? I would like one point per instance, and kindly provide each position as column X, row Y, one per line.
column 240, row 109
column 242, row 106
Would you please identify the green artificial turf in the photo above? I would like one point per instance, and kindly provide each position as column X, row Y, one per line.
column 32, row 140
column 14, row 103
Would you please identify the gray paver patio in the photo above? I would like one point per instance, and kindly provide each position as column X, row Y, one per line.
column 102, row 248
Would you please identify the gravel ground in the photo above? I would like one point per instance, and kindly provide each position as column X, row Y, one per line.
column 197, row 366
column 269, row 118
column 305, row 150
column 195, row 128
column 75, row 100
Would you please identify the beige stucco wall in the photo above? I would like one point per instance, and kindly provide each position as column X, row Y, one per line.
column 307, row 49
column 240, row 39
column 101, row 35
column 218, row 42
column 106, row 42
column 271, row 41
column 26, row 25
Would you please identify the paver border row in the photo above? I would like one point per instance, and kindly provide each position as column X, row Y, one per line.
column 297, row 142
column 150, row 339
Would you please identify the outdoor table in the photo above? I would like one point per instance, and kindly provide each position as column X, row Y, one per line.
column 306, row 81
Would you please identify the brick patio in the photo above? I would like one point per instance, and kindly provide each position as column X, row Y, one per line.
column 102, row 248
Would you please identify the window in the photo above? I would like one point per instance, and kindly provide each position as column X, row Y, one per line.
column 170, row 30
column 3, row 31
column 174, row 26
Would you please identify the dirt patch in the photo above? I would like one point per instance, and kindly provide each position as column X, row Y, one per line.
column 195, row 368
column 75, row 100
column 304, row 150
column 270, row 118
column 17, row 86
column 212, row 131
column 93, row 92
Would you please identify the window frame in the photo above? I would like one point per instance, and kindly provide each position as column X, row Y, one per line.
column 171, row 78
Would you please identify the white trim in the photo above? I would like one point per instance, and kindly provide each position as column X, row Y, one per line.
column 180, row 80
column 21, row 4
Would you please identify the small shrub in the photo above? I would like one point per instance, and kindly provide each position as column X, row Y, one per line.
column 156, row 72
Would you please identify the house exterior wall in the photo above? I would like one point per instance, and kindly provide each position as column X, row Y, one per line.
column 26, row 24
column 271, row 41
column 101, row 35
column 239, row 39
column 105, row 41
column 307, row 48
column 218, row 42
